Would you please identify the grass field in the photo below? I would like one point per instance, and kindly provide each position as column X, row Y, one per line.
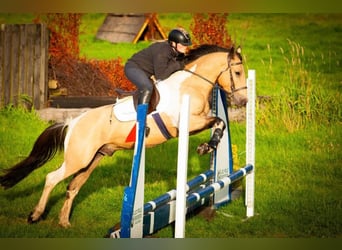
column 297, row 58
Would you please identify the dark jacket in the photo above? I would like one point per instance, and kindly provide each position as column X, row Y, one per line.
column 159, row 59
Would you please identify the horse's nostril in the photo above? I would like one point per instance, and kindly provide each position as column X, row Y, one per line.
column 244, row 102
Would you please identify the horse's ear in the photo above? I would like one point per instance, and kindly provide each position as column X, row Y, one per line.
column 238, row 50
column 231, row 52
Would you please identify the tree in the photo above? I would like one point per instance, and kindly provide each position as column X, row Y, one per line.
column 210, row 28
column 80, row 76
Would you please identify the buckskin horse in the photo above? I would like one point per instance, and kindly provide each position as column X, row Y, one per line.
column 101, row 131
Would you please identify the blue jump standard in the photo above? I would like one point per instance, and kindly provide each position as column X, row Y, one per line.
column 130, row 191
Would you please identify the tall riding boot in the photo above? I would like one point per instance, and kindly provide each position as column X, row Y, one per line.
column 144, row 97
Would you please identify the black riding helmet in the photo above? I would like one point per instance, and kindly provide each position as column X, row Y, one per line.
column 180, row 36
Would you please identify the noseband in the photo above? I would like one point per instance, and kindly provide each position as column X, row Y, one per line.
column 229, row 67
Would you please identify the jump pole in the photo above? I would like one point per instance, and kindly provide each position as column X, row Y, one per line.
column 182, row 167
column 250, row 142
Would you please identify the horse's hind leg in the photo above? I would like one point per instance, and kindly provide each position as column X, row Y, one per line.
column 73, row 188
column 51, row 180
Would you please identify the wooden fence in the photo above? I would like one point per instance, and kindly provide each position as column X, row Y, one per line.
column 24, row 65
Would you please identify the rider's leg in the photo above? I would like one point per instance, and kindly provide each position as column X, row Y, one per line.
column 139, row 78
column 144, row 96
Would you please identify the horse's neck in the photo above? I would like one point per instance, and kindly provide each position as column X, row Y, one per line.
column 207, row 66
column 172, row 89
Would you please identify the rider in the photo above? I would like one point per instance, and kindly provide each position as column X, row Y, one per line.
column 157, row 61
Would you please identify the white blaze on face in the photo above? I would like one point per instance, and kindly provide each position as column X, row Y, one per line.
column 169, row 90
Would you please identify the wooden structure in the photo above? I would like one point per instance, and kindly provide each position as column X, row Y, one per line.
column 23, row 65
column 118, row 28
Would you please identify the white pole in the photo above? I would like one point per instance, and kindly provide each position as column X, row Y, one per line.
column 182, row 167
column 250, row 142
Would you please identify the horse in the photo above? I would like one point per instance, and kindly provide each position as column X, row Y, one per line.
column 101, row 131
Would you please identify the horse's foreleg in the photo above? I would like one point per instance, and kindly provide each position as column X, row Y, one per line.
column 52, row 179
column 207, row 147
column 74, row 187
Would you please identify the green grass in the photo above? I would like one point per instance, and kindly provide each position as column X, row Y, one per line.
column 297, row 58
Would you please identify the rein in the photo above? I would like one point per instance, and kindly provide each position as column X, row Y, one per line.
column 233, row 89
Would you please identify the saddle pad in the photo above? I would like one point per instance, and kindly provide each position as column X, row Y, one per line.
column 124, row 109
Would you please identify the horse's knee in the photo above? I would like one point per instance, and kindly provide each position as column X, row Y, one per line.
column 219, row 124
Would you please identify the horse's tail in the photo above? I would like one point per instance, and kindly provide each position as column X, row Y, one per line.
column 44, row 149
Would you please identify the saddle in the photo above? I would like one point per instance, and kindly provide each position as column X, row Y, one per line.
column 152, row 105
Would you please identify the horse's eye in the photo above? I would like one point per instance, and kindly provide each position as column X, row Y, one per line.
column 237, row 73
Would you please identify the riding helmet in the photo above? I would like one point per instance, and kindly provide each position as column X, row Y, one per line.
column 181, row 36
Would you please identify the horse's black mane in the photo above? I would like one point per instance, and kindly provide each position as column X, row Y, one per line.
column 202, row 50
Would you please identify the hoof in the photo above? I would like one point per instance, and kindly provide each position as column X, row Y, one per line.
column 65, row 224
column 30, row 219
column 203, row 149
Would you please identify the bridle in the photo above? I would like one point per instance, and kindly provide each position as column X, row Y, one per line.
column 215, row 84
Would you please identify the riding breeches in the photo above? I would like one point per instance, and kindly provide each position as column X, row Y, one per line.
column 138, row 77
